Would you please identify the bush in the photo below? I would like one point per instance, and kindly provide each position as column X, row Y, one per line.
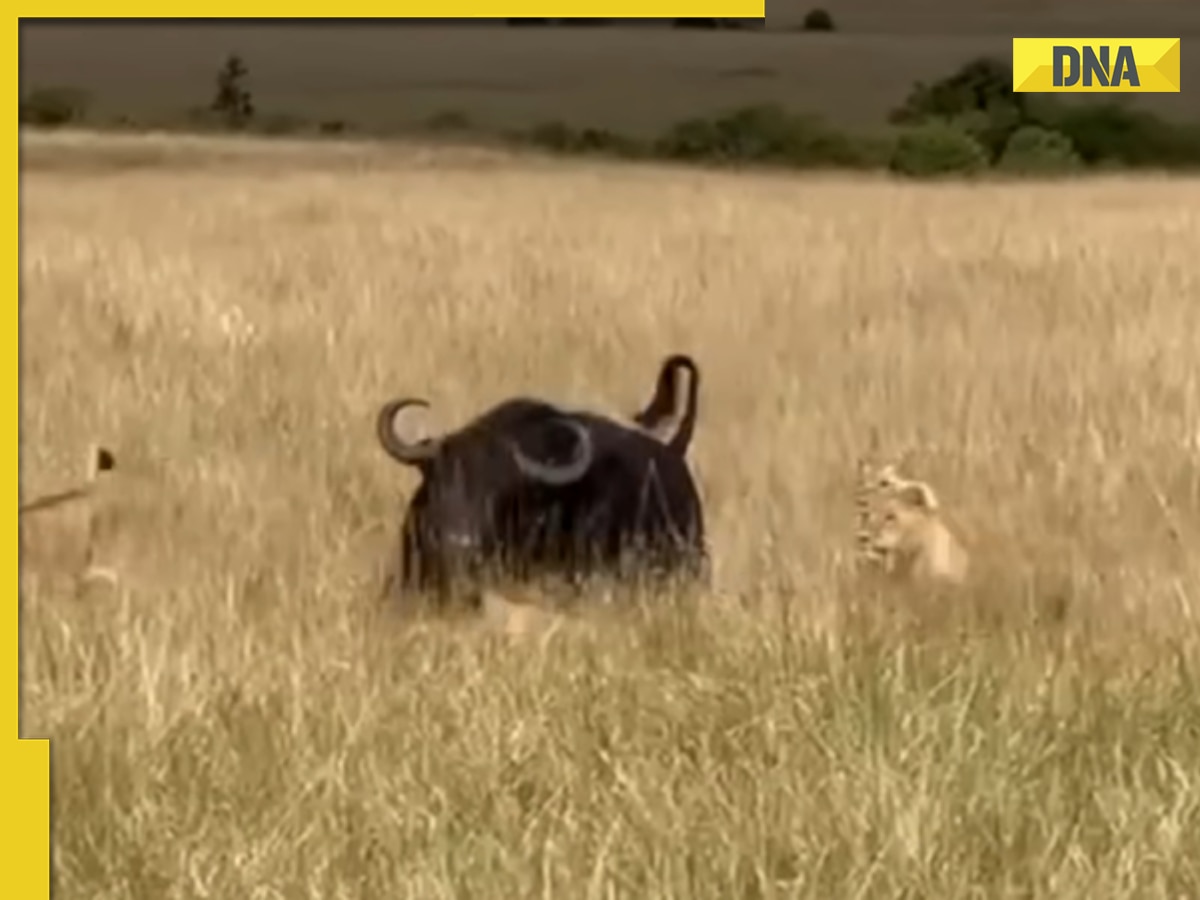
column 1108, row 133
column 978, row 98
column 560, row 138
column 937, row 148
column 818, row 20
column 992, row 128
column 762, row 134
column 49, row 107
column 1037, row 151
column 981, row 84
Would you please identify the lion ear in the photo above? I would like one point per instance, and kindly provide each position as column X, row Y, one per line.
column 919, row 495
column 99, row 460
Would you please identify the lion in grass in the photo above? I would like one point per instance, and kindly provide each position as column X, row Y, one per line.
column 65, row 533
column 902, row 531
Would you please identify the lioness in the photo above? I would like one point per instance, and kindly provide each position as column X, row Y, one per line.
column 60, row 533
column 901, row 529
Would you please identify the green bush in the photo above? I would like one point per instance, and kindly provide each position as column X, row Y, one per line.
column 937, row 148
column 980, row 84
column 978, row 98
column 992, row 128
column 1034, row 150
column 601, row 140
column 48, row 107
column 763, row 134
column 1109, row 133
column 817, row 20
column 560, row 138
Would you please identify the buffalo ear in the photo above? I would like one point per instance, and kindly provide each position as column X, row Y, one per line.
column 669, row 416
column 663, row 403
column 560, row 474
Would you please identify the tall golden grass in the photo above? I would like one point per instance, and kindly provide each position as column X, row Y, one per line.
column 240, row 717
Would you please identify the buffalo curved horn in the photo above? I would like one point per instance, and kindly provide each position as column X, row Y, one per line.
column 411, row 453
column 566, row 473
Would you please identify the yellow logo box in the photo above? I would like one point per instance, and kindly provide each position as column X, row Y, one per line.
column 1096, row 65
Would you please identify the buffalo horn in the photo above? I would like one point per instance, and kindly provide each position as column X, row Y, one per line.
column 409, row 453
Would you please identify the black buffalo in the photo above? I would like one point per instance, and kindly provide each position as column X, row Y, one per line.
column 527, row 489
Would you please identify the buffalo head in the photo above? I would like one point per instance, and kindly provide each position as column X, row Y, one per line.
column 474, row 479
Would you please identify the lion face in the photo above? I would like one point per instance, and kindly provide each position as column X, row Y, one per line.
column 901, row 529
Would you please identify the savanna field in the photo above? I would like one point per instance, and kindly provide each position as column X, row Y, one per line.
column 241, row 717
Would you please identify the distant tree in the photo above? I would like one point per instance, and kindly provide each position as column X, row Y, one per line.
column 978, row 96
column 980, row 85
column 818, row 20
column 517, row 23
column 584, row 22
column 233, row 101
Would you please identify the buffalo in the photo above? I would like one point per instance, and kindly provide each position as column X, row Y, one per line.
column 529, row 489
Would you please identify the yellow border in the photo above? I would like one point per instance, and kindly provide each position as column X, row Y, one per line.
column 477, row 9
column 25, row 827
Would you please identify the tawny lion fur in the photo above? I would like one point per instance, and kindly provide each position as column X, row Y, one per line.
column 903, row 532
column 60, row 533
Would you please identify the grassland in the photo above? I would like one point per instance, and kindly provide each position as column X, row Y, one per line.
column 241, row 719
column 634, row 80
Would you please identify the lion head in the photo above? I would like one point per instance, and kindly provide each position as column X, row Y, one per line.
column 902, row 530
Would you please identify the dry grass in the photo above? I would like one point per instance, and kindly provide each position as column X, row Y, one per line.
column 637, row 80
column 240, row 719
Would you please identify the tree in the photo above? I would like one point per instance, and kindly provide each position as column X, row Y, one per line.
column 233, row 100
